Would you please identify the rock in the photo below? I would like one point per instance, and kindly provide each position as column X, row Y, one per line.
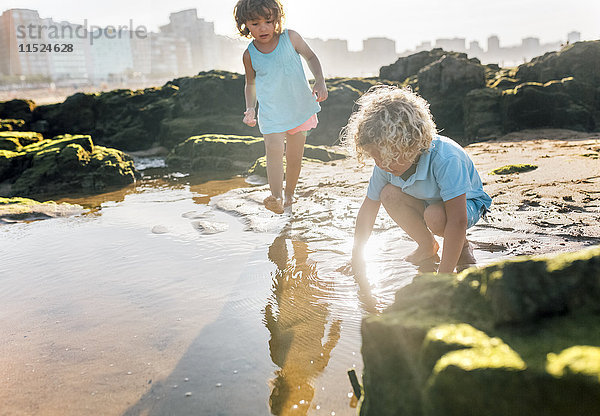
column 65, row 164
column 16, row 140
column 216, row 152
column 482, row 114
column 410, row 65
column 580, row 60
column 236, row 154
column 508, row 169
column 11, row 125
column 564, row 103
column 17, row 109
column 336, row 110
column 24, row 209
column 445, row 84
column 210, row 227
column 516, row 337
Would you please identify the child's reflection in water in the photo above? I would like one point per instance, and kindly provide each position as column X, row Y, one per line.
column 296, row 315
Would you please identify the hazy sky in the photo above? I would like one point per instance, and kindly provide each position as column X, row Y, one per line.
column 407, row 22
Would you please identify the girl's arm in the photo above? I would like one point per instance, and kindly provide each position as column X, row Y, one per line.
column 320, row 89
column 249, row 90
column 454, row 233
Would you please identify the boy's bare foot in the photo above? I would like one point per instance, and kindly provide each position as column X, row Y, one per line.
column 424, row 253
column 273, row 204
column 466, row 256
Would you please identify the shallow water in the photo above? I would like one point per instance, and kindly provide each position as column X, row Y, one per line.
column 155, row 302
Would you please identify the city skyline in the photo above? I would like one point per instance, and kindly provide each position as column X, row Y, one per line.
column 548, row 21
column 189, row 44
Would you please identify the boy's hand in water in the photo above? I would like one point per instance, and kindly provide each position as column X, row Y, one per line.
column 250, row 117
column 320, row 90
column 356, row 267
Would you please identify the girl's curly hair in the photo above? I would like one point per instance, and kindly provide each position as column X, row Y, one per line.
column 396, row 120
column 246, row 10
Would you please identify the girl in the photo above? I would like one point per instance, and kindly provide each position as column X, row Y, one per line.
column 287, row 106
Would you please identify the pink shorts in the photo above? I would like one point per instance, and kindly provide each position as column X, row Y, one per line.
column 311, row 123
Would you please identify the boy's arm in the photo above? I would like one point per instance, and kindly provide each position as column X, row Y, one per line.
column 320, row 89
column 365, row 220
column 249, row 90
column 454, row 233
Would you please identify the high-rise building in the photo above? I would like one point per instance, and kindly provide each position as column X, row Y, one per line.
column 454, row 44
column 493, row 44
column 21, row 37
column 111, row 55
column 199, row 33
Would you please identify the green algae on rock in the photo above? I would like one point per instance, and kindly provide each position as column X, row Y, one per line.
column 16, row 140
column 508, row 169
column 64, row 164
column 24, row 209
column 516, row 337
column 236, row 154
column 11, row 124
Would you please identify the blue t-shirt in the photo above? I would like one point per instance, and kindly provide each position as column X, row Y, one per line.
column 444, row 172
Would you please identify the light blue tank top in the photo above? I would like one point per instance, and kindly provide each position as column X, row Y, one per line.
column 285, row 99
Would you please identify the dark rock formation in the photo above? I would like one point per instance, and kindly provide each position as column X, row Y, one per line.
column 336, row 110
column 411, row 65
column 516, row 337
column 469, row 101
column 17, row 109
column 12, row 125
column 65, row 164
column 445, row 83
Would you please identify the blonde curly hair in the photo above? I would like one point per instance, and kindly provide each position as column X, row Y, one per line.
column 395, row 120
column 246, row 10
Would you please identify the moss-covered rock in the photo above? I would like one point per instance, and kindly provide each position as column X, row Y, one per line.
column 516, row 337
column 216, row 152
column 311, row 153
column 64, row 164
column 25, row 209
column 508, row 169
column 17, row 109
column 236, row 154
column 16, row 140
column 11, row 125
column 482, row 114
column 336, row 110
column 445, row 83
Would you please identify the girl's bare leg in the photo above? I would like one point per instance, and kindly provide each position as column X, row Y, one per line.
column 294, row 150
column 407, row 212
column 274, row 149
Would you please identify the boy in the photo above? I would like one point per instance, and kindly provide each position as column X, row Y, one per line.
column 426, row 182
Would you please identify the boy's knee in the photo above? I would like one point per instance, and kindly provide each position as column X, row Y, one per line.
column 435, row 218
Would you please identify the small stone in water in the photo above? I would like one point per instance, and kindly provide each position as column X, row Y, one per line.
column 175, row 386
column 219, row 385
column 186, row 379
column 160, row 229
column 188, row 394
column 235, row 371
